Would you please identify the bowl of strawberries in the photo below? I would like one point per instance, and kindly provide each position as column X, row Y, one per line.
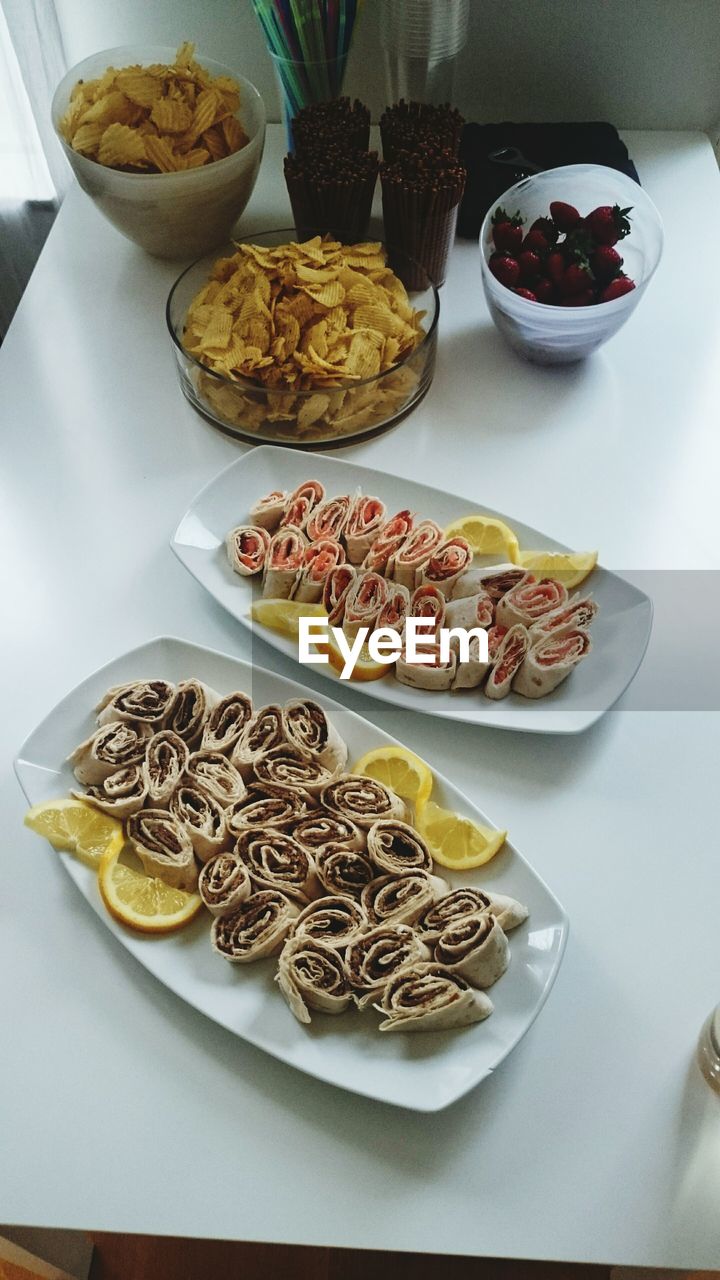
column 566, row 256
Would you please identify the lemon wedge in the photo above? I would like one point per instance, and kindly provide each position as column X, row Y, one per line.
column 457, row 842
column 143, row 902
column 569, row 567
column 401, row 770
column 75, row 827
column 283, row 615
column 488, row 537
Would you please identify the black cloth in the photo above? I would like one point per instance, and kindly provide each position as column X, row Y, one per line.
column 545, row 145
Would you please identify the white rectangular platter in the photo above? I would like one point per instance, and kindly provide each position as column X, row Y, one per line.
column 620, row 632
column 422, row 1071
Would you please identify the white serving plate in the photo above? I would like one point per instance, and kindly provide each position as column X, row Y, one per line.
column 620, row 632
column 424, row 1072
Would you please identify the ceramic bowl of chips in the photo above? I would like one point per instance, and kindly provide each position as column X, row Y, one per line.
column 167, row 146
column 302, row 344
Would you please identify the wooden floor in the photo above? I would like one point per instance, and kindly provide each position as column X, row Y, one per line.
column 120, row 1257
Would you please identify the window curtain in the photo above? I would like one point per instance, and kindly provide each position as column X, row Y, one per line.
column 34, row 174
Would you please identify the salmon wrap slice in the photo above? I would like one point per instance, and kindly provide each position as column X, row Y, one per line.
column 550, row 662
column 437, row 674
column 529, row 601
column 335, row 592
column 329, row 519
column 396, row 608
column 510, row 657
column 319, row 561
column 364, row 602
column 577, row 613
column 448, row 561
column 283, row 563
column 366, row 519
column 391, row 537
column 471, row 671
column 246, row 548
column 428, row 601
column 470, row 611
column 269, row 510
column 301, row 503
column 415, row 552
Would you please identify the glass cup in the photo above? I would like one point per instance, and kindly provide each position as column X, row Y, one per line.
column 708, row 1051
column 301, row 83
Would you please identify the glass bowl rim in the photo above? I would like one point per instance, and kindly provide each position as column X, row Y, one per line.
column 249, row 384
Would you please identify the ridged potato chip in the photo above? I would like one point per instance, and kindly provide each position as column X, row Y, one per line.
column 313, row 317
column 188, row 112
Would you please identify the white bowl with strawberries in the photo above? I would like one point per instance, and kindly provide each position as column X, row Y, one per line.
column 566, row 256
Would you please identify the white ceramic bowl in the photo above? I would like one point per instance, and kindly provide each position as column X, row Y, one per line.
column 559, row 335
column 171, row 215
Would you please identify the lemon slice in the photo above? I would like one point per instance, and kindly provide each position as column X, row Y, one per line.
column 487, row 536
column 143, row 902
column 283, row 615
column 77, row 828
column 366, row 668
column 568, row 567
column 400, row 769
column 457, row 842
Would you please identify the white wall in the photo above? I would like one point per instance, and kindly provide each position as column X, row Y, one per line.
column 639, row 63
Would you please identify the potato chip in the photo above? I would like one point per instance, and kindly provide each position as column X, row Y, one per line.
column 120, row 145
column 327, row 295
column 176, row 105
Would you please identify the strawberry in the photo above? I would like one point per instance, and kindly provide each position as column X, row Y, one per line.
column 543, row 289
column 605, row 262
column 507, row 231
column 547, row 228
column 529, row 263
column 584, row 299
column 536, row 240
column 555, row 266
column 609, row 223
column 565, row 216
column 505, row 269
column 617, row 288
column 527, row 294
column 577, row 278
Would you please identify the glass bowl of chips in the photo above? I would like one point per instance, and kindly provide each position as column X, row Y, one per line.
column 303, row 344
column 167, row 146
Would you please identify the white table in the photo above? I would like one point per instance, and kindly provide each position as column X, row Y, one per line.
column 124, row 1110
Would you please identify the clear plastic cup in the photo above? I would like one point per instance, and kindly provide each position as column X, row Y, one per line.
column 548, row 334
column 421, row 40
column 302, row 83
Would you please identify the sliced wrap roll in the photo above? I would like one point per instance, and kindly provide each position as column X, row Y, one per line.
column 470, row 672
column 226, row 721
column 268, row 806
column 224, row 882
column 264, row 731
column 578, row 614
column 255, row 929
column 495, row 580
column 415, row 552
column 550, row 662
column 363, row 603
column 302, row 502
column 400, row 899
column 269, row 510
column 437, row 674
column 287, row 767
column 276, row 861
column 203, row 819
column 395, row 609
column 312, row 975
column 362, row 800
column 372, row 960
column 395, row 847
column 510, row 657
column 475, row 947
column 164, row 847
column 343, row 871
column 366, row 519
column 529, row 601
column 192, row 703
column 109, row 748
column 165, row 762
column 428, row 997
column 451, row 558
column 322, row 828
column 283, row 563
column 470, row 611
column 428, row 601
column 214, row 774
column 335, row 592
column 390, row 538
column 246, row 547
column 146, row 701
column 329, row 519
column 336, row 920
column 309, row 728
column 120, row 794
column 321, row 558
